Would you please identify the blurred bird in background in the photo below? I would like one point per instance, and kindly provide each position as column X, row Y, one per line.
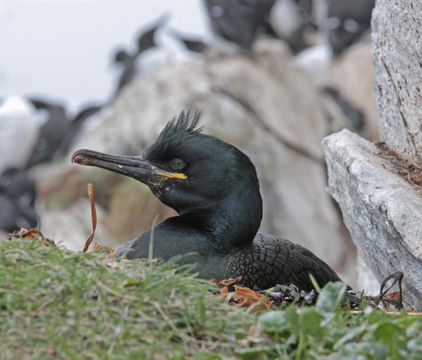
column 38, row 129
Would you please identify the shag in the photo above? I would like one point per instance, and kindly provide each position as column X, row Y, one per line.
column 214, row 188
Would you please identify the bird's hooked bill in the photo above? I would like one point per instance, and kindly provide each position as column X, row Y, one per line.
column 136, row 167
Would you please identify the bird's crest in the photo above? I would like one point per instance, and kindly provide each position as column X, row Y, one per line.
column 176, row 131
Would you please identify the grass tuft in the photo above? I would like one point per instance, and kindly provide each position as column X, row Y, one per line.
column 55, row 304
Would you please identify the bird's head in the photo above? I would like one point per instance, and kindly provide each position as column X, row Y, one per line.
column 188, row 170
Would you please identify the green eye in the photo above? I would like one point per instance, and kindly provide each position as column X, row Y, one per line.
column 177, row 164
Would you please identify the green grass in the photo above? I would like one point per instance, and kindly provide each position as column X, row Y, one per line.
column 55, row 304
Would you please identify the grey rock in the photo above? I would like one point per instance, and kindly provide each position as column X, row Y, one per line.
column 382, row 211
column 397, row 49
column 366, row 278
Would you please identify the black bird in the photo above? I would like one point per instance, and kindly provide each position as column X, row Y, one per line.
column 58, row 132
column 147, row 39
column 17, row 200
column 214, row 188
column 294, row 23
column 128, row 71
column 128, row 62
column 353, row 114
column 347, row 21
column 76, row 125
column 51, row 132
column 192, row 44
column 240, row 21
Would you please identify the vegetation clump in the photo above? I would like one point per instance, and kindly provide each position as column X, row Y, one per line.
column 55, row 304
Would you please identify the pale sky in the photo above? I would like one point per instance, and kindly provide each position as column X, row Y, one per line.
column 62, row 48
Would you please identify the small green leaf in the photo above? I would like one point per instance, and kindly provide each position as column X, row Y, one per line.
column 273, row 321
column 331, row 297
column 387, row 333
column 349, row 336
column 292, row 318
column 415, row 345
column 376, row 316
column 309, row 321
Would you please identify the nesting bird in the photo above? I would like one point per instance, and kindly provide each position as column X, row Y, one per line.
column 214, row 187
column 17, row 200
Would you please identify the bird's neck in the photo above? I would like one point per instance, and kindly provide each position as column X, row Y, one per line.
column 229, row 224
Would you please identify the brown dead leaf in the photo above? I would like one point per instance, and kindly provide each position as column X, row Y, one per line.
column 393, row 295
column 23, row 233
column 105, row 249
column 241, row 296
column 93, row 217
column 30, row 234
column 228, row 282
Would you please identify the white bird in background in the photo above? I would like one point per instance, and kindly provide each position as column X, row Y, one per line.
column 315, row 61
column 19, row 128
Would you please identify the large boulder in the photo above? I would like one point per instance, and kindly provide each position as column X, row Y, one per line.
column 397, row 46
column 261, row 104
column 381, row 209
column 378, row 188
